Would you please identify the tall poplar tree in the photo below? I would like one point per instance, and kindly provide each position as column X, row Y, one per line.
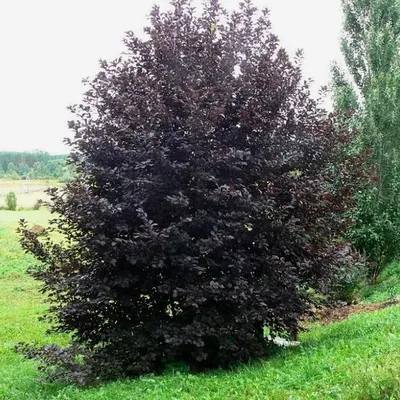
column 370, row 46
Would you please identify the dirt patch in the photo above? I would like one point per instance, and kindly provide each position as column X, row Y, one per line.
column 330, row 315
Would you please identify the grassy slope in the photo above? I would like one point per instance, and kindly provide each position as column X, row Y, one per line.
column 356, row 359
column 387, row 287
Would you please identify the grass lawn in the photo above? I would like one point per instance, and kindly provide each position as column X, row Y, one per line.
column 12, row 258
column 355, row 359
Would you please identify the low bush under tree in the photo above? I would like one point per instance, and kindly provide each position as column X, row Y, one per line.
column 207, row 201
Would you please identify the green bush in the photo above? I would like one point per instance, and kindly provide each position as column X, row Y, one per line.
column 66, row 177
column 352, row 276
column 11, row 201
column 13, row 176
column 376, row 232
column 38, row 204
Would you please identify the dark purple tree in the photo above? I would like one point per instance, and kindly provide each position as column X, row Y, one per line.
column 206, row 202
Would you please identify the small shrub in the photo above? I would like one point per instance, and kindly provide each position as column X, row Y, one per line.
column 66, row 178
column 352, row 275
column 38, row 204
column 11, row 201
column 13, row 176
column 376, row 232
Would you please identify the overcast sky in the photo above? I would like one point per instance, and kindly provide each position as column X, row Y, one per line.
column 47, row 47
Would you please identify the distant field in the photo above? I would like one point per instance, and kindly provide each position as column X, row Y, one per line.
column 28, row 192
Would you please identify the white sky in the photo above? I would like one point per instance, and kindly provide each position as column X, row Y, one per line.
column 48, row 46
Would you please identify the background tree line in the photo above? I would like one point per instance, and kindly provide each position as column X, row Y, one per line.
column 34, row 165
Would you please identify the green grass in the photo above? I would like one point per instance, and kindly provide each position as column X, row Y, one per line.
column 355, row 359
column 12, row 258
column 386, row 288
